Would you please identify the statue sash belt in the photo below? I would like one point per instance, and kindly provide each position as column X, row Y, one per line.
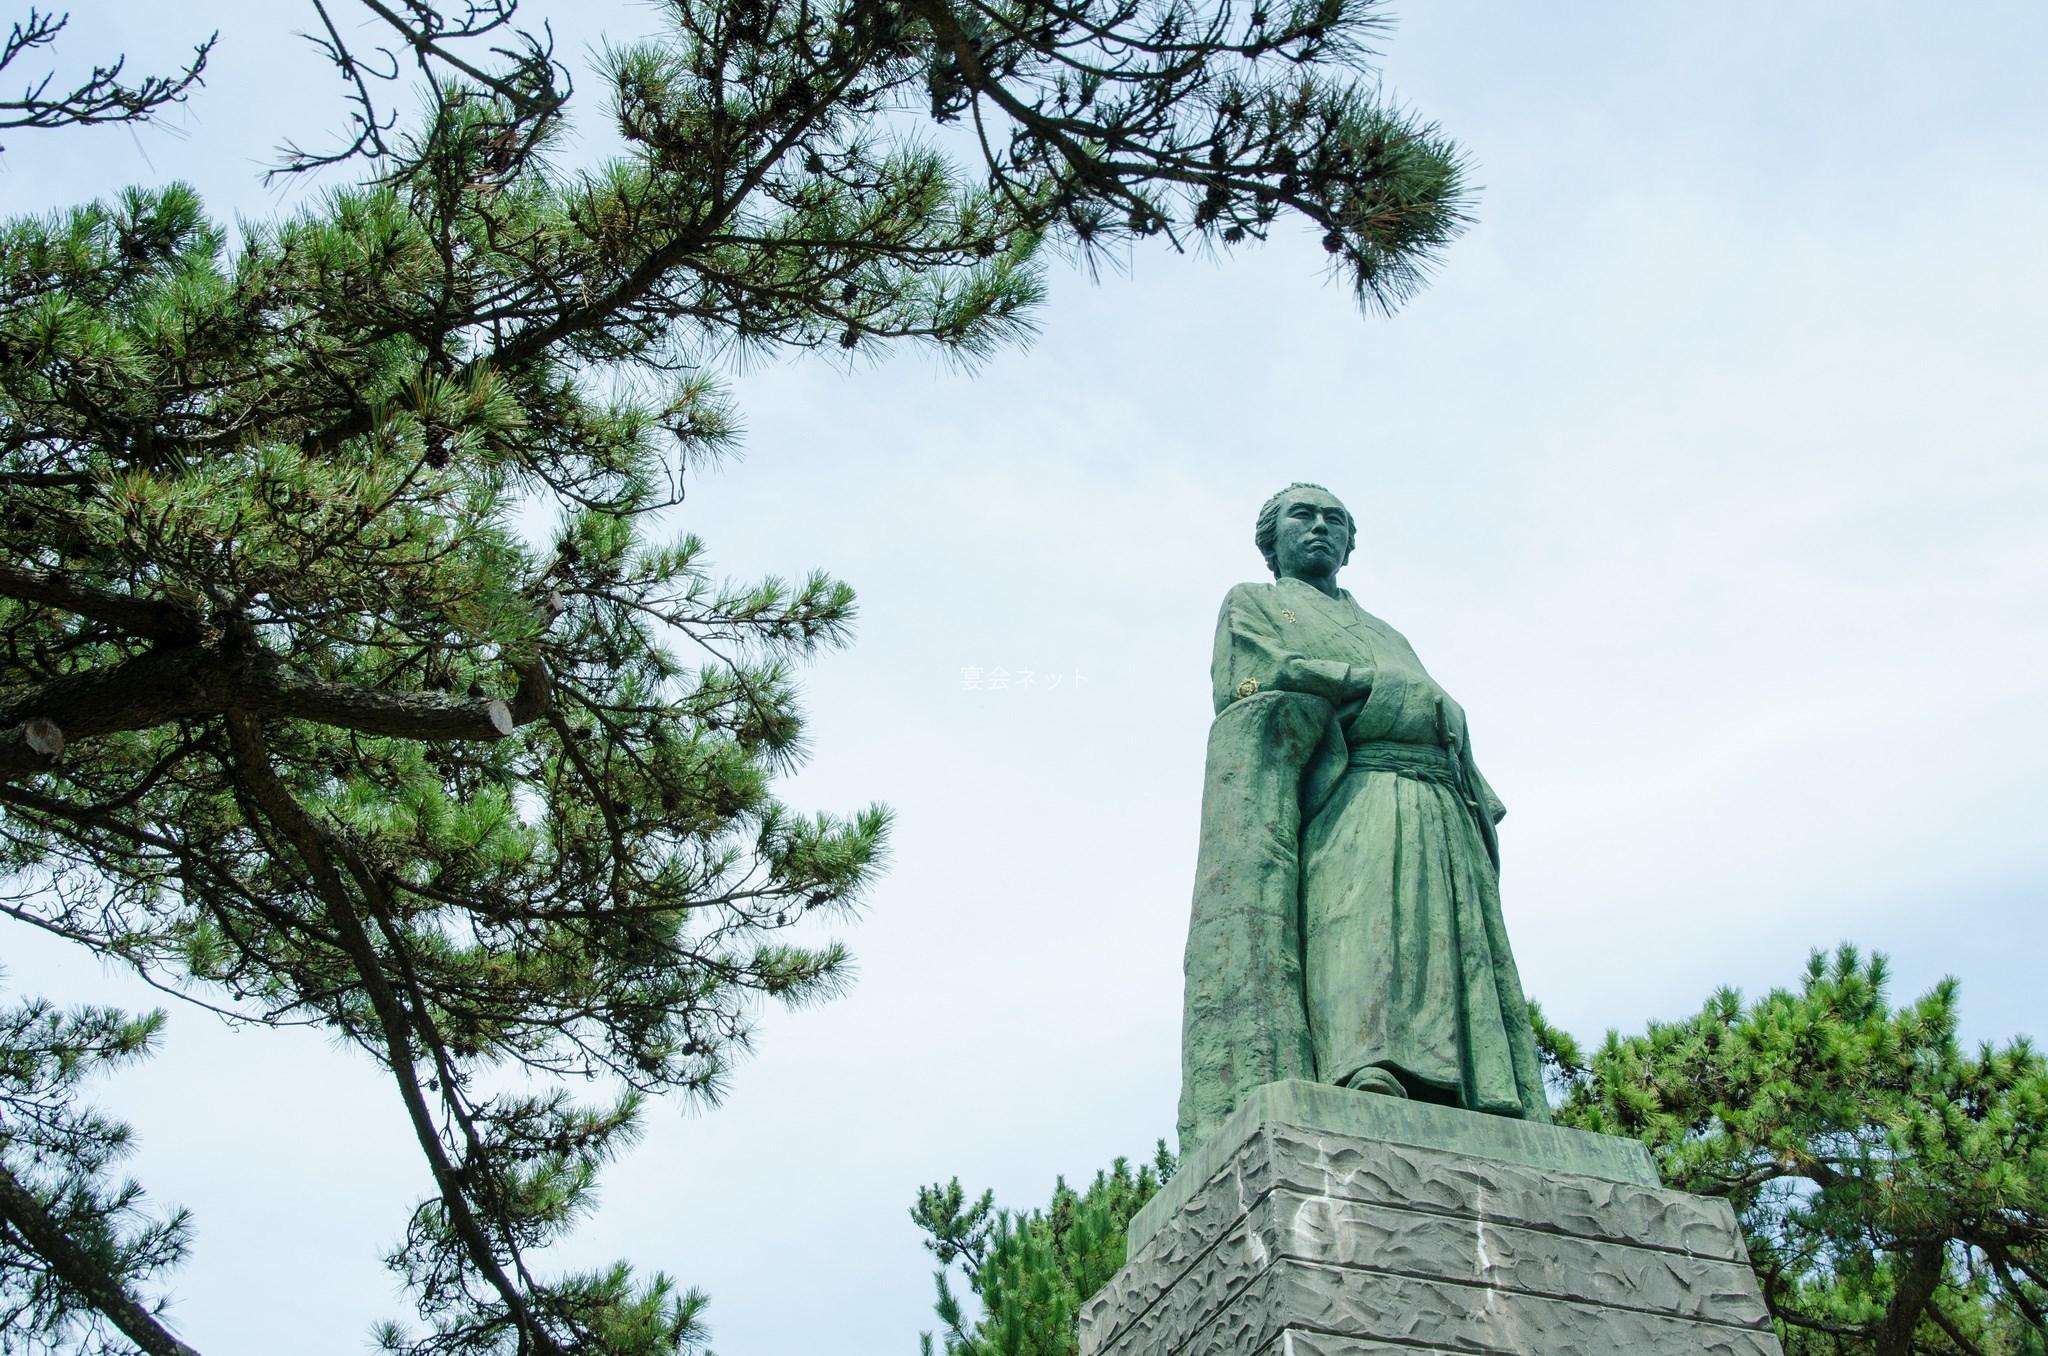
column 1437, row 765
column 1422, row 762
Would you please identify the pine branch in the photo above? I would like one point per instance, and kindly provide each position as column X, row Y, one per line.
column 142, row 617
column 531, row 84
column 72, row 1265
column 253, row 771
column 208, row 680
column 2002, row 1262
column 1955, row 1334
column 400, row 715
column 101, row 97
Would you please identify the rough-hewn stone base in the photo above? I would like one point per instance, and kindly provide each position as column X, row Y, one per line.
column 1319, row 1222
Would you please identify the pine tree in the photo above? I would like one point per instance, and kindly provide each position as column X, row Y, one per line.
column 1892, row 1186
column 296, row 721
column 67, row 1223
column 1031, row 1272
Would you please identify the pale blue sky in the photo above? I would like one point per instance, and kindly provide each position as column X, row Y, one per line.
column 1709, row 475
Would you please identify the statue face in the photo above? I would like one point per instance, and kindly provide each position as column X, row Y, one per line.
column 1312, row 536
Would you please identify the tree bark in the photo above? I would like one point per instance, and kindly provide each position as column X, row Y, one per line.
column 407, row 715
column 1920, row 1272
column 76, row 1268
column 199, row 680
column 143, row 617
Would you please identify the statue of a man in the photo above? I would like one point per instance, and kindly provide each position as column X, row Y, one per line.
column 1347, row 924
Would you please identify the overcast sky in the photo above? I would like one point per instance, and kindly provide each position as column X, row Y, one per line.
column 1708, row 476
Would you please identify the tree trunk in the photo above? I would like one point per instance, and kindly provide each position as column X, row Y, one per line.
column 1920, row 1272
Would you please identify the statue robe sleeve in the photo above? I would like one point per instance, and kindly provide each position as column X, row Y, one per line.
column 1244, row 1020
column 1252, row 655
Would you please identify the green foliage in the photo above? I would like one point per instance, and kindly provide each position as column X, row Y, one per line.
column 1892, row 1185
column 1031, row 1272
column 63, row 1153
column 298, row 720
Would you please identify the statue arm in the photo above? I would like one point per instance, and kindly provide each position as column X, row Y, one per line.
column 1488, row 801
column 1252, row 656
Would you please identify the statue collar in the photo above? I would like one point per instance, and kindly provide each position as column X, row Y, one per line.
column 1342, row 609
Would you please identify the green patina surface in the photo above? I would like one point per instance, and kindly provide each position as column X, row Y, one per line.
column 1361, row 1115
column 1347, row 924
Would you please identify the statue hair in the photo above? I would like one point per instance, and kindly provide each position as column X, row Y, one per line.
column 1268, row 528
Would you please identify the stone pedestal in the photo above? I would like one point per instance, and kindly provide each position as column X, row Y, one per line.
column 1322, row 1222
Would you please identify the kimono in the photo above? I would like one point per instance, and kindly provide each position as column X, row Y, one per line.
column 1347, row 902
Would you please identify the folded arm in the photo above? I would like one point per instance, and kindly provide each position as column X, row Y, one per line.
column 1253, row 655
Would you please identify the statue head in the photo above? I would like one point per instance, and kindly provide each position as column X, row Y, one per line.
column 1305, row 530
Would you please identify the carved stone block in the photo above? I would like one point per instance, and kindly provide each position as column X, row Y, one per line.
column 1320, row 1222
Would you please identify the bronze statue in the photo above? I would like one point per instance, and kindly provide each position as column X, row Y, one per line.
column 1347, row 925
